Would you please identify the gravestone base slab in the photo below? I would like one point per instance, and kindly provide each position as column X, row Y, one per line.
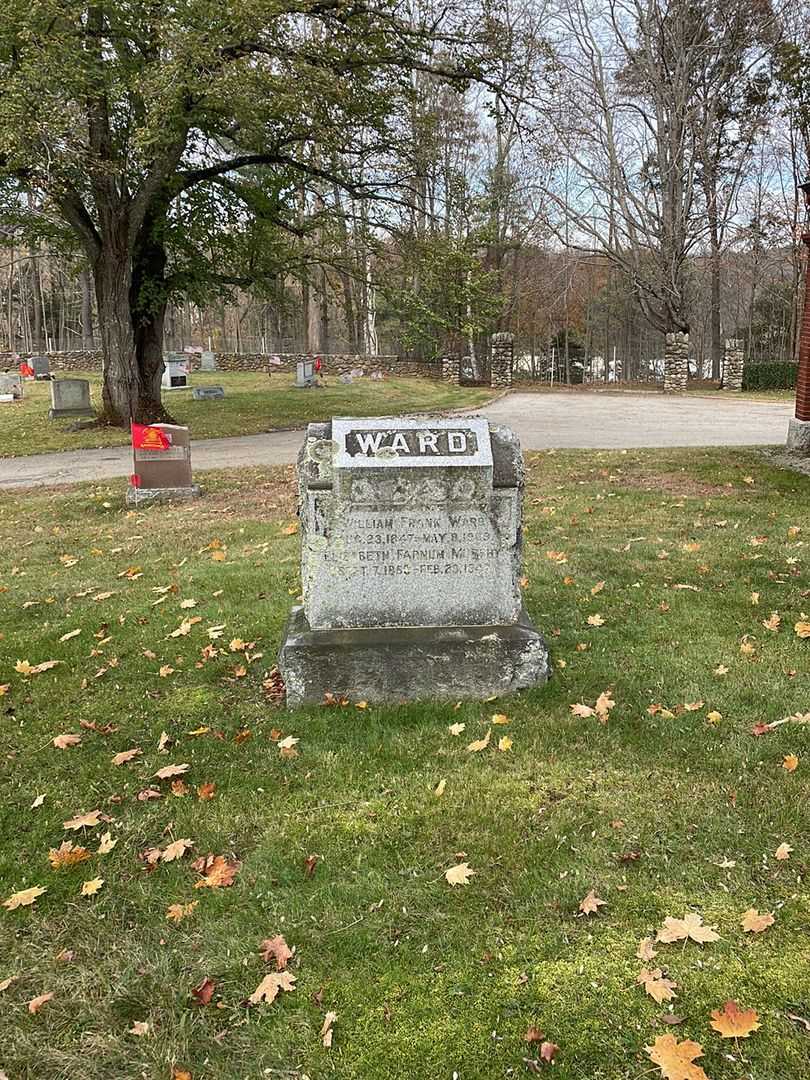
column 410, row 663
column 140, row 496
column 68, row 414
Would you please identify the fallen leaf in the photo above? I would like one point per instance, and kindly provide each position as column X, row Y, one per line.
column 753, row 923
column 126, row 755
column 204, row 992
column 690, row 926
column 91, row 887
column 35, row 1004
column 310, row 862
column 24, row 898
column 505, row 743
column 219, row 873
column 582, row 710
column 802, row 629
column 774, row 622
column 499, row 718
column 6, row 983
column 646, row 950
column 69, row 635
column 139, row 1027
column 456, row 729
column 438, row 791
column 106, row 844
column 548, row 1050
column 591, row 904
column 168, row 771
column 177, row 912
column 288, row 743
column 328, row 1028
column 596, row 620
column 597, row 588
column 656, row 985
column 783, row 852
column 83, row 821
column 676, row 1060
column 276, row 948
column 269, row 987
column 64, row 742
column 176, row 850
column 67, row 854
column 790, row 762
column 206, row 791
column 165, row 671
column 459, row 874
column 480, row 744
column 733, row 1022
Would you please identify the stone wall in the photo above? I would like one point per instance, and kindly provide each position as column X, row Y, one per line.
column 500, row 367
column 733, row 363
column 676, row 362
column 333, row 364
column 69, row 360
column 451, row 369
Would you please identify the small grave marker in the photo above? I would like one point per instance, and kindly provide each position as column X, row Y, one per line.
column 70, row 397
column 161, row 464
column 208, row 393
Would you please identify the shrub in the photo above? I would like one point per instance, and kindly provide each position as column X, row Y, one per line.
column 770, row 375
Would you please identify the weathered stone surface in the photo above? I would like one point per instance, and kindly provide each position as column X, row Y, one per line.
column 798, row 437
column 11, row 383
column 208, row 360
column 141, row 496
column 410, row 663
column 676, row 362
column 502, row 360
column 411, row 544
column 70, row 397
column 733, row 364
column 305, row 374
column 176, row 367
column 41, row 366
column 208, row 393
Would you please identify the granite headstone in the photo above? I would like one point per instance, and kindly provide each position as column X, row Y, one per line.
column 41, row 367
column 11, row 383
column 305, row 374
column 163, row 475
column 410, row 562
column 208, row 361
column 70, row 397
column 208, row 393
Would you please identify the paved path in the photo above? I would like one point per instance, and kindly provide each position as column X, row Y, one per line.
column 567, row 420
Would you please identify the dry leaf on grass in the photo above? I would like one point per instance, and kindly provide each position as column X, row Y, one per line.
column 676, row 1060
column 126, row 755
column 177, row 912
column 276, row 948
column 35, row 1004
column 753, row 923
column 438, row 791
column 83, row 821
column 219, row 872
column 24, row 898
column 176, row 849
column 591, row 904
column 106, row 844
column 269, row 987
column 91, row 887
column 66, row 855
column 327, row 1029
column 783, row 852
column 656, row 985
column 645, row 950
column 790, row 762
column 690, row 926
column 64, row 742
column 456, row 729
column 459, row 874
column 733, row 1022
column 480, row 744
column 168, row 771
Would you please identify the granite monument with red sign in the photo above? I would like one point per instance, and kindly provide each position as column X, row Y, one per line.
column 410, row 562
column 161, row 470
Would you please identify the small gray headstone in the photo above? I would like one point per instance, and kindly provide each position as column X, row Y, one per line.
column 70, row 397
column 11, row 383
column 41, row 366
column 208, row 361
column 346, row 379
column 305, row 374
column 410, row 562
column 207, row 393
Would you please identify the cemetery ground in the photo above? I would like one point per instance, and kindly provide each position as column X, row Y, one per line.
column 253, row 403
column 661, row 773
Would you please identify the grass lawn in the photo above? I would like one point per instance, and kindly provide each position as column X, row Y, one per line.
column 253, row 403
column 671, row 806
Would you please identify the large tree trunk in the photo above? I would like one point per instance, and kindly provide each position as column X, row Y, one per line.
column 121, row 388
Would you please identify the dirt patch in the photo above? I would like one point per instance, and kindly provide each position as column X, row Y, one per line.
column 670, row 483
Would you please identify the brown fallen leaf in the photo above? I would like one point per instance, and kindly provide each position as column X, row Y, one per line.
column 64, row 742
column 310, row 862
column 24, row 898
column 176, row 849
column 168, row 771
column 91, row 887
column 480, row 744
column 327, row 1030
column 126, row 755
column 206, row 791
column 690, row 926
column 591, row 904
column 802, row 629
column 645, row 950
column 67, row 854
column 203, row 993
column 656, row 985
column 139, row 1027
column 276, row 948
column 676, row 1060
column 733, row 1022
column 269, row 987
column 106, row 844
column 219, row 873
column 6, row 983
column 783, row 852
column 177, row 912
column 35, row 1004
column 754, row 923
column 790, row 762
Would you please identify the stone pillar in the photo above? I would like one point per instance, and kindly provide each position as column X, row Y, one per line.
column 676, row 362
column 733, row 360
column 451, row 369
column 500, row 368
column 798, row 438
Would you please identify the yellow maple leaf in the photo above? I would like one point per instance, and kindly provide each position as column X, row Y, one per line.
column 480, row 744
column 459, row 874
column 177, row 912
column 106, row 844
column 596, row 620
column 499, row 718
column 67, row 854
column 676, row 1060
column 268, row 988
column 733, row 1022
column 802, row 629
column 24, row 898
column 83, row 821
column 773, row 622
column 783, row 852
column 176, row 849
column 790, row 762
column 456, row 729
column 656, row 985
column 505, row 743
column 91, row 887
